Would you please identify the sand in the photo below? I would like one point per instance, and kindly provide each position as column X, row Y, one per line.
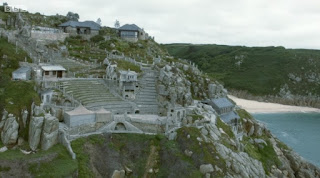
column 263, row 107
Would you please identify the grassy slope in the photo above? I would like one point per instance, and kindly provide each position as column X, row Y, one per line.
column 263, row 71
column 134, row 151
column 55, row 162
column 14, row 95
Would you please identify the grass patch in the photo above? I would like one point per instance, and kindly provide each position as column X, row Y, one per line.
column 226, row 128
column 61, row 166
column 82, row 157
column 196, row 117
column 21, row 94
column 244, row 114
column 282, row 146
column 266, row 155
column 4, row 169
column 125, row 65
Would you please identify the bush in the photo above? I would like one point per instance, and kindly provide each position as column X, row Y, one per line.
column 97, row 38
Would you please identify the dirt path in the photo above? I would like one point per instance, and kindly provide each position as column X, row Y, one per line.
column 151, row 162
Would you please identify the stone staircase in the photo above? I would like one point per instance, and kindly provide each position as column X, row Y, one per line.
column 146, row 99
column 93, row 94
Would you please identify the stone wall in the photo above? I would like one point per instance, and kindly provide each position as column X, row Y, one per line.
column 76, row 120
column 49, row 36
column 149, row 127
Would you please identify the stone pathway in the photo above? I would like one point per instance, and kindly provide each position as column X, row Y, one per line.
column 146, row 99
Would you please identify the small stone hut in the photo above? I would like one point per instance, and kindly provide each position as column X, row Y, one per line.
column 79, row 116
column 103, row 115
column 53, row 72
column 23, row 73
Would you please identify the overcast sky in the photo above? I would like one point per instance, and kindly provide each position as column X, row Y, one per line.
column 288, row 23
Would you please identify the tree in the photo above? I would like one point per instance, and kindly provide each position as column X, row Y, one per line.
column 99, row 21
column 73, row 16
column 117, row 24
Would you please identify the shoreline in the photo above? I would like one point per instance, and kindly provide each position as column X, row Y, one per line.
column 256, row 107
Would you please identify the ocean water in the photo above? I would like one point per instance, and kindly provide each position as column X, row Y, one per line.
column 300, row 131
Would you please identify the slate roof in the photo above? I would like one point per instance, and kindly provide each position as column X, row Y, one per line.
column 23, row 69
column 129, row 27
column 126, row 72
column 80, row 110
column 53, row 68
column 228, row 117
column 90, row 24
column 222, row 102
column 102, row 111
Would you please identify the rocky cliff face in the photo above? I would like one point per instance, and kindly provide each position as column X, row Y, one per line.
column 209, row 150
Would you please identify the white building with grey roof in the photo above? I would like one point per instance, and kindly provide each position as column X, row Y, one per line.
column 132, row 33
column 53, row 71
column 88, row 28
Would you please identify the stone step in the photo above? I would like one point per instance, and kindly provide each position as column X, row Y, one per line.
column 147, row 96
column 145, row 101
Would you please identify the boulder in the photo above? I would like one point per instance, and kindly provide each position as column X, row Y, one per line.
column 258, row 128
column 3, row 119
column 172, row 135
column 204, row 131
column 118, row 174
column 251, row 131
column 188, row 152
column 20, row 141
column 24, row 117
column 260, row 142
column 9, row 134
column 35, row 128
column 38, row 110
column 188, row 98
column 212, row 90
column 50, row 132
column 206, row 168
column 185, row 67
column 168, row 68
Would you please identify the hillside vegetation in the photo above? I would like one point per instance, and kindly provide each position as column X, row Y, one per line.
column 258, row 70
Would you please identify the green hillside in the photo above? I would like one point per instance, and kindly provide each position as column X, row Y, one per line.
column 263, row 70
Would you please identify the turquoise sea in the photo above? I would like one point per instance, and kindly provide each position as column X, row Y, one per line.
column 300, row 131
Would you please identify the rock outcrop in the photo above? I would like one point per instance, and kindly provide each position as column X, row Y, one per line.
column 9, row 134
column 35, row 129
column 50, row 132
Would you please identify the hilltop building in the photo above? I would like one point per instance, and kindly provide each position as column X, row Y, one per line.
column 89, row 28
column 132, row 33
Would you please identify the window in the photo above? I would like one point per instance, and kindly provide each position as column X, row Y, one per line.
column 46, row 73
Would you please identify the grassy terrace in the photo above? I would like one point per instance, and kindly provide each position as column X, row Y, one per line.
column 125, row 65
column 263, row 69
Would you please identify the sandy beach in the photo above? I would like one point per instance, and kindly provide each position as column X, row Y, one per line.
column 262, row 107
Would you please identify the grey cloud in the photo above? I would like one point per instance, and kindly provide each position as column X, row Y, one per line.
column 289, row 23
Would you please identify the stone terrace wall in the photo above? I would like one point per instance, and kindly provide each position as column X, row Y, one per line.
column 49, row 36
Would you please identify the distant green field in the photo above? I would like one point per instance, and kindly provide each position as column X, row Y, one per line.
column 263, row 70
